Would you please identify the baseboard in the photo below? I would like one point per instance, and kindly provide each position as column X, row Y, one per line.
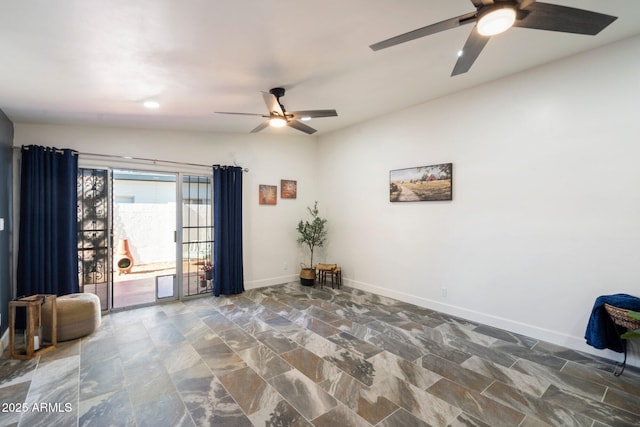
column 542, row 334
column 253, row 284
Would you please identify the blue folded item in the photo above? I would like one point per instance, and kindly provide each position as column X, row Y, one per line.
column 601, row 331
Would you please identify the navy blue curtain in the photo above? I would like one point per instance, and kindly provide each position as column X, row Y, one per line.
column 228, row 277
column 48, row 248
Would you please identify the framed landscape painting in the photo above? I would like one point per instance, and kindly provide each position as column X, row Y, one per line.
column 288, row 189
column 421, row 184
column 267, row 194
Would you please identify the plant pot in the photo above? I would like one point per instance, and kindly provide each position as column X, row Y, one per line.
column 123, row 258
column 307, row 276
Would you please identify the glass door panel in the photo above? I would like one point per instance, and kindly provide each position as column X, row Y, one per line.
column 197, row 235
column 144, row 221
column 94, row 232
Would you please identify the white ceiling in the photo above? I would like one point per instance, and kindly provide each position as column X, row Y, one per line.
column 94, row 62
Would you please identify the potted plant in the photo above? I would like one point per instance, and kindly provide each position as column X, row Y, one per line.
column 207, row 273
column 632, row 334
column 207, row 268
column 312, row 234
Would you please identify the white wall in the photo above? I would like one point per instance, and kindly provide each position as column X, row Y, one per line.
column 269, row 231
column 147, row 220
column 149, row 229
column 546, row 208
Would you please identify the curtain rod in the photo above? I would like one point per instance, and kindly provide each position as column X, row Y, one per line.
column 112, row 156
column 57, row 150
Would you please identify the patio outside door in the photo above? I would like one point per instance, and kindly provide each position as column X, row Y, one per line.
column 127, row 246
column 144, row 224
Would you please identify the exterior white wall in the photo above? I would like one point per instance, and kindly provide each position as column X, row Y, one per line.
column 149, row 229
column 546, row 208
column 148, row 221
column 271, row 253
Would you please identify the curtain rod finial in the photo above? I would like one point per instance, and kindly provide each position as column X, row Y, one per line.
column 236, row 162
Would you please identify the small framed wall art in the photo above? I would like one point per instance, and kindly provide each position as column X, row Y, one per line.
column 288, row 189
column 267, row 194
column 421, row 184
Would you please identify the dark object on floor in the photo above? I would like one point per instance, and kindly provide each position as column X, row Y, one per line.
column 602, row 331
column 623, row 322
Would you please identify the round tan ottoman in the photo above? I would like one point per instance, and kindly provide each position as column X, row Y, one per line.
column 78, row 315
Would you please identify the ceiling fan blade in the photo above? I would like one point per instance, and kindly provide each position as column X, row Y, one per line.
column 479, row 3
column 260, row 126
column 272, row 103
column 472, row 48
column 523, row 4
column 301, row 126
column 552, row 17
column 312, row 113
column 240, row 114
column 425, row 31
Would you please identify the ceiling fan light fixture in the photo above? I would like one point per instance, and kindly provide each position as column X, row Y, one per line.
column 151, row 104
column 277, row 122
column 496, row 20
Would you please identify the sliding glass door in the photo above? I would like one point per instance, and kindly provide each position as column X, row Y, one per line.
column 128, row 239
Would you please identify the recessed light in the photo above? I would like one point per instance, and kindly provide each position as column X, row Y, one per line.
column 460, row 53
column 305, row 118
column 152, row 105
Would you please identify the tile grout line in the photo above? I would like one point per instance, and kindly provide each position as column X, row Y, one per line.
column 257, row 373
column 186, row 410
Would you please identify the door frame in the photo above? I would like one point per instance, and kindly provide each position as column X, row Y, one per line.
column 179, row 286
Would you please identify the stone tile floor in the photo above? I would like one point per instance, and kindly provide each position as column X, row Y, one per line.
column 288, row 355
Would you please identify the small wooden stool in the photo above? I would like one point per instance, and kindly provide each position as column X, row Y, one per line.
column 332, row 270
column 322, row 270
column 336, row 274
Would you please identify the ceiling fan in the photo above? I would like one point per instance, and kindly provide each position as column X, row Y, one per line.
column 279, row 117
column 496, row 16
